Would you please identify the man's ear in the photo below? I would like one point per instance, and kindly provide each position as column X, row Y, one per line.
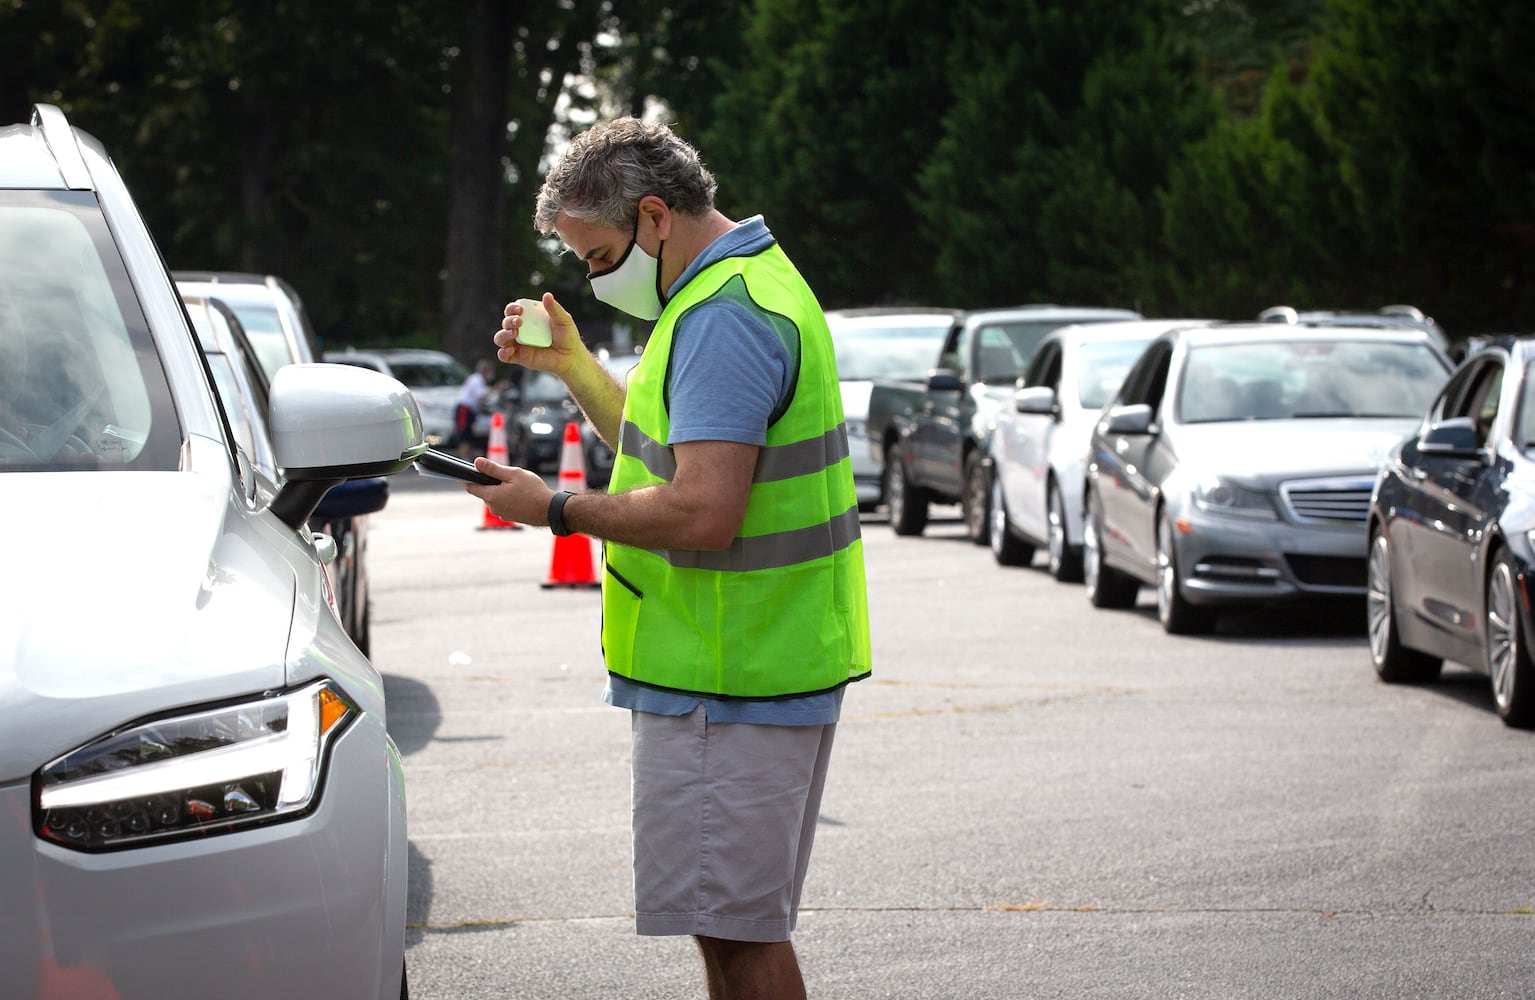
column 656, row 212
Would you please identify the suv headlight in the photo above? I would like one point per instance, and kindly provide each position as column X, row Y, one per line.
column 193, row 774
column 1217, row 495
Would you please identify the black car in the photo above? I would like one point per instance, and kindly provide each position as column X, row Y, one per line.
column 1450, row 524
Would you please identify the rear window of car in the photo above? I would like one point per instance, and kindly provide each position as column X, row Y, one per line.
column 898, row 351
column 81, row 386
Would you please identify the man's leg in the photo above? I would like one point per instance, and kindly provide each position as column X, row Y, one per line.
column 751, row 970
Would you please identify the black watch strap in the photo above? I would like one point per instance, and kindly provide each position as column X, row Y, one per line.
column 557, row 512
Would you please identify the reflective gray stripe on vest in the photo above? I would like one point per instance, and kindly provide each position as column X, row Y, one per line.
column 774, row 464
column 775, row 550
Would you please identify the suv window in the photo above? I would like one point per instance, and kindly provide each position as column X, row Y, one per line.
column 80, row 380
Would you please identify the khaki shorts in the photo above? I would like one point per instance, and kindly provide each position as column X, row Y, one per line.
column 724, row 818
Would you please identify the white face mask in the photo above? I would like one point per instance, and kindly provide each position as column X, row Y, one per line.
column 633, row 285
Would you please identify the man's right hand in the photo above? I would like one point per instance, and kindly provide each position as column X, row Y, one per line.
column 564, row 349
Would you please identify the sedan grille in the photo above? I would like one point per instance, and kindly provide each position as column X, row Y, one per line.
column 1328, row 501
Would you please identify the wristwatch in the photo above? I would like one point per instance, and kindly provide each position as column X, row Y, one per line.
column 557, row 512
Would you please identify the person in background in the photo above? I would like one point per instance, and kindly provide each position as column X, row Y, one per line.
column 471, row 397
column 734, row 606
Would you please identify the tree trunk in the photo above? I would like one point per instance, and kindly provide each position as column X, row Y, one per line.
column 472, row 297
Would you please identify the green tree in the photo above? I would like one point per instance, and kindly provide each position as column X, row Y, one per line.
column 1064, row 125
column 829, row 114
column 1426, row 106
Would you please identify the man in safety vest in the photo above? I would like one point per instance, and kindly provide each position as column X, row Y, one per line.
column 734, row 608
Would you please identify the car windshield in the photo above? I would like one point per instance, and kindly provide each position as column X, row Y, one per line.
column 1297, row 380
column 80, row 380
column 1104, row 366
column 896, row 352
column 428, row 374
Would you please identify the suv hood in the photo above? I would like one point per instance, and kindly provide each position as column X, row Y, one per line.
column 129, row 594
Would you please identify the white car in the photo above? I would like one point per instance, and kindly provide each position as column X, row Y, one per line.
column 880, row 343
column 434, row 377
column 198, row 791
column 1039, row 447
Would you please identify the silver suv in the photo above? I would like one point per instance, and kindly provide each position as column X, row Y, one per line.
column 197, row 785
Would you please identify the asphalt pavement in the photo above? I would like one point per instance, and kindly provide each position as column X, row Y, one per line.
column 1029, row 798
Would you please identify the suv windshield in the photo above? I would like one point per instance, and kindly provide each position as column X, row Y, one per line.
column 80, row 380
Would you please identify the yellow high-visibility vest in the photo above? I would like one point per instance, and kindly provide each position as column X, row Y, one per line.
column 784, row 609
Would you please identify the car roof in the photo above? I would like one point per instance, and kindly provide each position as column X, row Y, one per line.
column 881, row 316
column 1260, row 332
column 26, row 162
column 1048, row 311
column 1129, row 329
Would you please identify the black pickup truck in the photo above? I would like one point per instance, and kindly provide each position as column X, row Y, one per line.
column 931, row 438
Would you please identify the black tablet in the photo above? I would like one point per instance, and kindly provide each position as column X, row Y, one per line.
column 444, row 466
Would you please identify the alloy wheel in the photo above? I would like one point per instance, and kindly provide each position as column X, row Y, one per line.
column 1502, row 634
column 1378, row 598
column 1057, row 532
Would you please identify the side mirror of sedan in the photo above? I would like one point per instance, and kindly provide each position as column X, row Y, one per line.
column 1036, row 399
column 1456, row 437
column 1132, row 419
column 330, row 423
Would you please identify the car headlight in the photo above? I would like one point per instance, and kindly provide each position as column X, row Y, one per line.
column 193, row 774
column 857, row 429
column 1217, row 495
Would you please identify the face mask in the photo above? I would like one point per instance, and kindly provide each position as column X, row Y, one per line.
column 633, row 285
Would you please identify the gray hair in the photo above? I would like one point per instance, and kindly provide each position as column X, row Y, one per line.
column 608, row 168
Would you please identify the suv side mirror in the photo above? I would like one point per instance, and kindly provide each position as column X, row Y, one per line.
column 330, row 423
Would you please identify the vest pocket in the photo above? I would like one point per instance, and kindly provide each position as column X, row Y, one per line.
column 620, row 616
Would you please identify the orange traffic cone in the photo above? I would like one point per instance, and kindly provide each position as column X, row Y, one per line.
column 571, row 563
column 497, row 453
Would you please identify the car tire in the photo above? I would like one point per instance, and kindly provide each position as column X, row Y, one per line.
column 976, row 498
column 1394, row 663
column 1106, row 587
column 1508, row 655
column 1177, row 615
column 1065, row 562
column 1007, row 548
column 907, row 501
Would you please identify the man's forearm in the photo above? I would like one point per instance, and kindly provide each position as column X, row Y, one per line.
column 600, row 398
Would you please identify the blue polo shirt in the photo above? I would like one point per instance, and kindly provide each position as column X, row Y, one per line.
column 730, row 374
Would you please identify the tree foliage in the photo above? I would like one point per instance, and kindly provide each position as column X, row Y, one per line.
column 1203, row 157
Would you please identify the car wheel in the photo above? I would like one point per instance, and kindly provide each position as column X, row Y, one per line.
column 1508, row 658
column 976, row 498
column 908, row 502
column 1065, row 563
column 1178, row 616
column 1007, row 548
column 1106, row 587
column 1394, row 663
